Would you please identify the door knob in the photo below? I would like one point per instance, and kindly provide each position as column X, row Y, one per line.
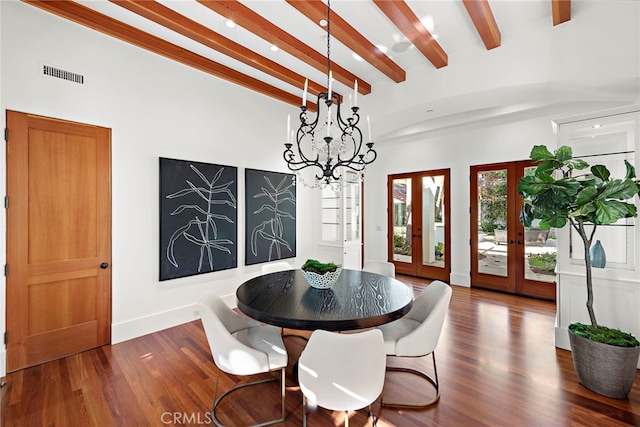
column 104, row 265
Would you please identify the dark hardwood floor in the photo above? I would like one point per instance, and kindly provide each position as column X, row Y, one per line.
column 496, row 361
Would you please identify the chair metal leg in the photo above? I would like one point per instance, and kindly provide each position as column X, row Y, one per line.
column 304, row 411
column 239, row 386
column 374, row 419
column 434, row 382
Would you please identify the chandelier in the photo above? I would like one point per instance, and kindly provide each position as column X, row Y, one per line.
column 332, row 145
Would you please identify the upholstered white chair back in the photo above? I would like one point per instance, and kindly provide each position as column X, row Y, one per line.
column 230, row 336
column 428, row 311
column 380, row 267
column 276, row 266
column 342, row 372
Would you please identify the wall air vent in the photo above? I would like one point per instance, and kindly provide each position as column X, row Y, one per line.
column 62, row 74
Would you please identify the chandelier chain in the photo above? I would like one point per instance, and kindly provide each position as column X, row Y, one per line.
column 328, row 47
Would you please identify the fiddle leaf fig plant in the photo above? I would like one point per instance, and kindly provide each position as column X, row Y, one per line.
column 556, row 195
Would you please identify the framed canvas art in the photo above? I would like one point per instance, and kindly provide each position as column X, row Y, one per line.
column 270, row 216
column 198, row 218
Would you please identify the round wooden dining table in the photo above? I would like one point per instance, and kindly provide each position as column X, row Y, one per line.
column 357, row 300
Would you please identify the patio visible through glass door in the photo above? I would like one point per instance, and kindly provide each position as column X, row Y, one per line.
column 504, row 255
column 418, row 230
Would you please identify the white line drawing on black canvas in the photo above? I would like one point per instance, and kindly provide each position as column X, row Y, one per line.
column 272, row 229
column 206, row 230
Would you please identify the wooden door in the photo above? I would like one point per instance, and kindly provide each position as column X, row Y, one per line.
column 418, row 214
column 58, row 239
column 504, row 255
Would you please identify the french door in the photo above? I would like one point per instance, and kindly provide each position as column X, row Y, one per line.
column 504, row 255
column 418, row 214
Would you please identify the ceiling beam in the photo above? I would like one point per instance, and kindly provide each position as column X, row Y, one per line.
column 316, row 11
column 89, row 18
column 251, row 21
column 561, row 11
column 482, row 17
column 409, row 24
column 171, row 19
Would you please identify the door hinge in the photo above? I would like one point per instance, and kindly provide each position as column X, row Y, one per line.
column 6, row 134
column 6, row 269
column 6, row 202
column 6, row 337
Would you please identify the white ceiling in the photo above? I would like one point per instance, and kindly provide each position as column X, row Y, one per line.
column 446, row 19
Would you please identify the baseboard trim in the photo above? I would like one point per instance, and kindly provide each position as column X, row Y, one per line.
column 460, row 280
column 135, row 328
column 562, row 338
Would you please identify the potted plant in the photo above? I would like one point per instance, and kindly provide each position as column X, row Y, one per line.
column 605, row 359
column 320, row 275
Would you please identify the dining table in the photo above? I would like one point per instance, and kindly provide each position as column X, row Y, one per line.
column 357, row 300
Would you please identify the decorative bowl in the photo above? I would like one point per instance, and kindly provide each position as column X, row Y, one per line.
column 322, row 281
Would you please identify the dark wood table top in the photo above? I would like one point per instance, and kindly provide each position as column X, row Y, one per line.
column 357, row 300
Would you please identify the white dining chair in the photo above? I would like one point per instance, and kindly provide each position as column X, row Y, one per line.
column 380, row 267
column 417, row 335
column 241, row 346
column 276, row 266
column 342, row 372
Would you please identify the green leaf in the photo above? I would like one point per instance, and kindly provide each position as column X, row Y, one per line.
column 609, row 212
column 618, row 189
column 558, row 221
column 540, row 152
column 586, row 195
column 563, row 153
column 601, row 172
column 631, row 171
column 577, row 164
column 546, row 167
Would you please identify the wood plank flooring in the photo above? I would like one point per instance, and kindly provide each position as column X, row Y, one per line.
column 496, row 361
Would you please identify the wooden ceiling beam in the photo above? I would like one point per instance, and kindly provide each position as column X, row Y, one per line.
column 482, row 17
column 261, row 27
column 89, row 18
column 561, row 11
column 316, row 11
column 409, row 24
column 171, row 19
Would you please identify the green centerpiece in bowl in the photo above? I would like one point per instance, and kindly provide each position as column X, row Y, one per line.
column 321, row 275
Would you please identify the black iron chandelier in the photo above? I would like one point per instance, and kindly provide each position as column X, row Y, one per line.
column 334, row 145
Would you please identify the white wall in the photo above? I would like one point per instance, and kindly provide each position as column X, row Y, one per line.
column 155, row 108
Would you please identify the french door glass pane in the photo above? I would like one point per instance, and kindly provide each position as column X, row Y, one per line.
column 539, row 250
column 492, row 221
column 433, row 221
column 402, row 249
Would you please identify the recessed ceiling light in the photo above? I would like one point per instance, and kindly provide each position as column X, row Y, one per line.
column 323, row 22
column 274, row 48
column 230, row 23
column 597, row 126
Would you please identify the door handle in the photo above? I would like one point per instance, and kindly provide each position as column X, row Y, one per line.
column 104, row 265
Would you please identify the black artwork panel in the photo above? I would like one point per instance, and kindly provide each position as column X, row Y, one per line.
column 198, row 218
column 270, row 216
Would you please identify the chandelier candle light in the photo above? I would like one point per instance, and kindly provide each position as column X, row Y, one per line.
column 331, row 155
